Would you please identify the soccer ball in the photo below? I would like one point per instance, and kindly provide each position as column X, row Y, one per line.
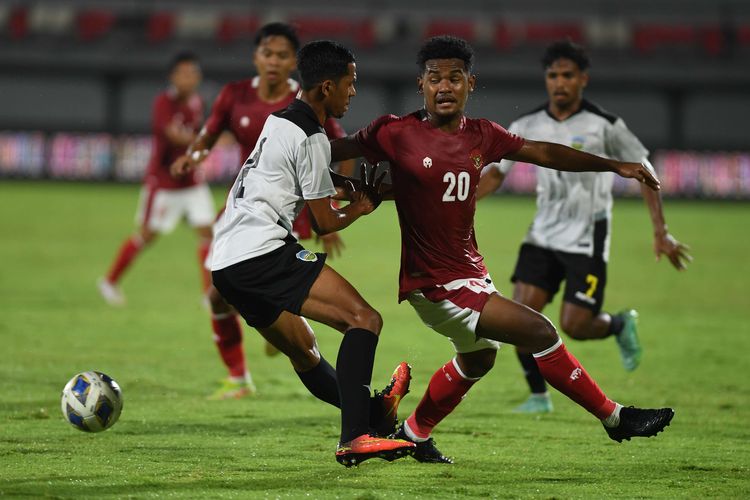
column 91, row 401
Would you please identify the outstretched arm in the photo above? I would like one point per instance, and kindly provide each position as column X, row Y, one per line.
column 345, row 148
column 559, row 157
column 195, row 153
column 664, row 243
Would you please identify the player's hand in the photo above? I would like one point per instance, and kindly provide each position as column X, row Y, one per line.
column 639, row 172
column 181, row 166
column 369, row 184
column 332, row 244
column 676, row 252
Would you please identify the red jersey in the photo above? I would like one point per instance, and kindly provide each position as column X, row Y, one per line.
column 168, row 110
column 239, row 110
column 435, row 176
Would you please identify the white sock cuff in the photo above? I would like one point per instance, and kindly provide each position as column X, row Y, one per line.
column 410, row 434
column 220, row 316
column 458, row 369
column 549, row 350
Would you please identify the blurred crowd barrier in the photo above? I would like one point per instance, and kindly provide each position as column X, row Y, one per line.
column 103, row 157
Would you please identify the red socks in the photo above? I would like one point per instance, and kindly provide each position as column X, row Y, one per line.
column 563, row 372
column 128, row 251
column 228, row 338
column 446, row 389
column 203, row 248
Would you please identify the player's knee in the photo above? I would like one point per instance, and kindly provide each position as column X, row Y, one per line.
column 573, row 327
column 304, row 359
column 367, row 318
column 545, row 333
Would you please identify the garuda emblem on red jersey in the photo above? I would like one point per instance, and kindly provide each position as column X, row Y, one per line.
column 476, row 157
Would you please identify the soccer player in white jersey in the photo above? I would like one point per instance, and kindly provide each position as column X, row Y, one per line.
column 272, row 281
column 569, row 238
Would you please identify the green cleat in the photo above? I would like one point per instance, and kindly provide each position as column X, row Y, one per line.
column 233, row 389
column 627, row 340
column 536, row 403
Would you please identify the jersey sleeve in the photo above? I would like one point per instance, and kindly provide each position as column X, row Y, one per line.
column 499, row 141
column 333, row 129
column 622, row 144
column 161, row 115
column 313, row 158
column 375, row 140
column 218, row 120
column 505, row 166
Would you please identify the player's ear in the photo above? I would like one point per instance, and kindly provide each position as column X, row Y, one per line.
column 472, row 82
column 420, row 85
column 326, row 88
column 584, row 79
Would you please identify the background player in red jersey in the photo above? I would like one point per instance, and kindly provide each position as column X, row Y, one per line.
column 242, row 108
column 165, row 200
column 436, row 157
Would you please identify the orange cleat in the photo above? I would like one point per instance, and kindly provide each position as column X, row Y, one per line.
column 365, row 447
column 390, row 398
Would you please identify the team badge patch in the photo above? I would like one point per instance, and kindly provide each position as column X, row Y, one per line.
column 476, row 157
column 427, row 162
column 307, row 256
column 577, row 142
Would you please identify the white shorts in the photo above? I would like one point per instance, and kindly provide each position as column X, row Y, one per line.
column 453, row 310
column 160, row 210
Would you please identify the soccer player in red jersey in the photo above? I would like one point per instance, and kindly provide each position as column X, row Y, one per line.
column 165, row 200
column 242, row 108
column 436, row 156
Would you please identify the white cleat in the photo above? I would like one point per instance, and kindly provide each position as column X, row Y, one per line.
column 110, row 293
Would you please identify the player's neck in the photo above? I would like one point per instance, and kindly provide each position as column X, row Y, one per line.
column 446, row 124
column 273, row 93
column 564, row 112
column 316, row 104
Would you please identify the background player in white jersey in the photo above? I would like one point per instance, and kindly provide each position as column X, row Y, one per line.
column 569, row 238
column 165, row 200
column 436, row 156
column 272, row 281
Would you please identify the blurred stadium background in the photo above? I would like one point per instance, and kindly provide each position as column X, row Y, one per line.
column 79, row 76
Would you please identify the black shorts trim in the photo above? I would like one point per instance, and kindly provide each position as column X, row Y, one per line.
column 585, row 277
column 262, row 287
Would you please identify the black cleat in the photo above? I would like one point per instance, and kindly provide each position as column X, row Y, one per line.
column 425, row 452
column 639, row 422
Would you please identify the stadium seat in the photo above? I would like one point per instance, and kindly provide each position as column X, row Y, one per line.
column 160, row 26
column 461, row 29
column 94, row 24
column 647, row 38
column 233, row 27
column 18, row 23
column 545, row 33
column 359, row 31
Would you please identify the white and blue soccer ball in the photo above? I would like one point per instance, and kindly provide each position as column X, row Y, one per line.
column 91, row 401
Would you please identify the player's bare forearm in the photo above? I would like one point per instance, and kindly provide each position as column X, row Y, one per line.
column 559, row 157
column 201, row 146
column 655, row 210
column 329, row 219
column 490, row 182
column 345, row 148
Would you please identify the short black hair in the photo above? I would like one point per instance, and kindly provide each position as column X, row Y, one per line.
column 181, row 57
column 322, row 60
column 445, row 47
column 565, row 49
column 278, row 29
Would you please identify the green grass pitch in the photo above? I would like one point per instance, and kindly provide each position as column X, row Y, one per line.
column 56, row 239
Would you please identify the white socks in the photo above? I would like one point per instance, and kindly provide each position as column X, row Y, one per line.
column 614, row 419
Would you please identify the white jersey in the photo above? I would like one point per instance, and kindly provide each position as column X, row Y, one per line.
column 288, row 166
column 570, row 203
